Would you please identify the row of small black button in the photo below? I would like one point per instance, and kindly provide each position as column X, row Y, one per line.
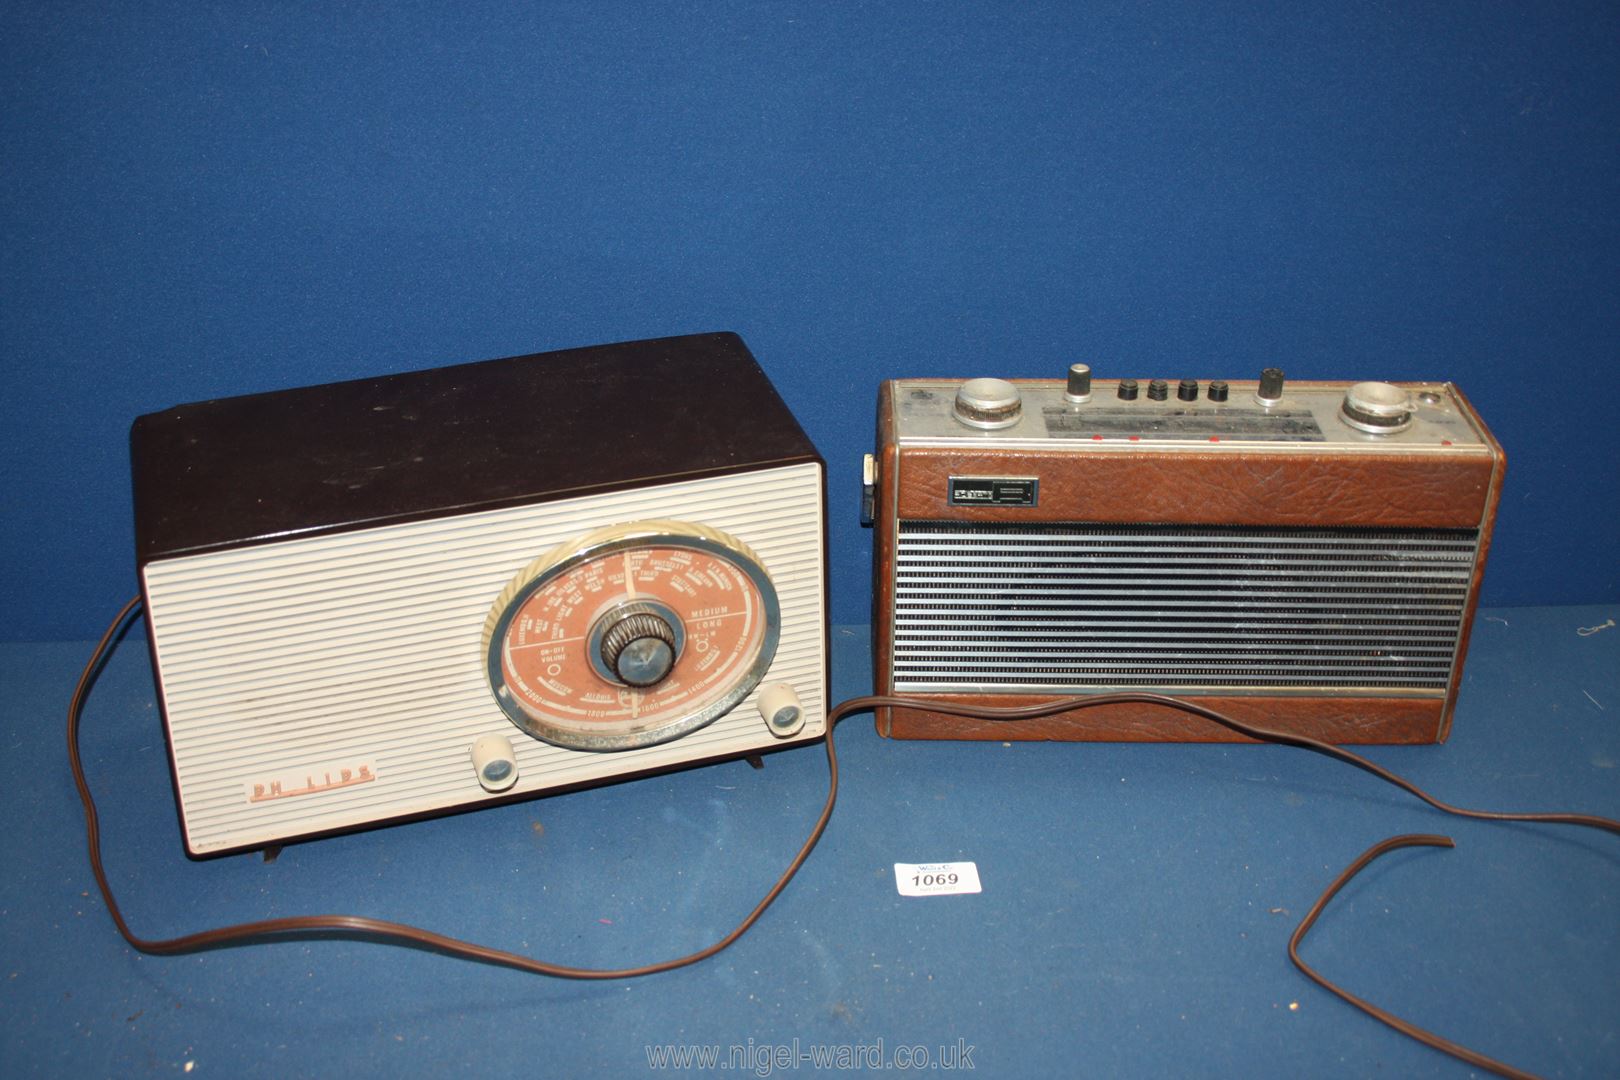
column 1159, row 390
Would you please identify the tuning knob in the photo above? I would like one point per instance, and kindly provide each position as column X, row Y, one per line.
column 988, row 403
column 638, row 647
column 1378, row 408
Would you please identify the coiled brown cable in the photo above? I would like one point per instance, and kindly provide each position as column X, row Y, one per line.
column 399, row 932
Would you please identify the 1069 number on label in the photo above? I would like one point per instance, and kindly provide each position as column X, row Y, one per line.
column 936, row 879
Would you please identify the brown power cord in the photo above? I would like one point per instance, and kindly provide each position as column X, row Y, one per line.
column 1456, row 1050
column 367, row 927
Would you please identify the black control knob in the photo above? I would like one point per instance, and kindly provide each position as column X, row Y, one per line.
column 1159, row 390
column 1188, row 390
column 1218, row 391
column 639, row 648
column 1271, row 386
column 1127, row 390
column 1078, row 392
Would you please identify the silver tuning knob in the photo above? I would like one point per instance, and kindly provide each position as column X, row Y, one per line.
column 1378, row 408
column 988, row 403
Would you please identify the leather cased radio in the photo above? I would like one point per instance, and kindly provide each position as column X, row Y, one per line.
column 1306, row 556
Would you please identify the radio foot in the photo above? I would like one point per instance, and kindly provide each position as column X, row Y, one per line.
column 755, row 760
column 272, row 853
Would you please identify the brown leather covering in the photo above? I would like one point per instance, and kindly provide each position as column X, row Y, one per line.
column 1334, row 719
column 1189, row 488
column 1486, row 527
column 883, row 540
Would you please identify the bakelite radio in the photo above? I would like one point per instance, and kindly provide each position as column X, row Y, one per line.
column 393, row 597
column 1306, row 556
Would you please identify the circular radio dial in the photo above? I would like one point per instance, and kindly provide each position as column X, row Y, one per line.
column 631, row 635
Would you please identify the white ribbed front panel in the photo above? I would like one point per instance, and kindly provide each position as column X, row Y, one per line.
column 294, row 661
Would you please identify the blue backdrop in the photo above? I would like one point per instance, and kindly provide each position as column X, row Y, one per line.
column 201, row 201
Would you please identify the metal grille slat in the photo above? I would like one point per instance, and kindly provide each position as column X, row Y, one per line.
column 1245, row 602
column 998, row 607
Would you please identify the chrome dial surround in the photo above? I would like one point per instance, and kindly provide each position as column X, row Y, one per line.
column 632, row 733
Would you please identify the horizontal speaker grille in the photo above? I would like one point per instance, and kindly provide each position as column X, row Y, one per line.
column 310, row 656
column 1072, row 606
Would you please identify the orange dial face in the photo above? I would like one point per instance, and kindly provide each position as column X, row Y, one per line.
column 633, row 646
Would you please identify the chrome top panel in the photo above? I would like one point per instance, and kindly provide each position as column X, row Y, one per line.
column 1306, row 419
